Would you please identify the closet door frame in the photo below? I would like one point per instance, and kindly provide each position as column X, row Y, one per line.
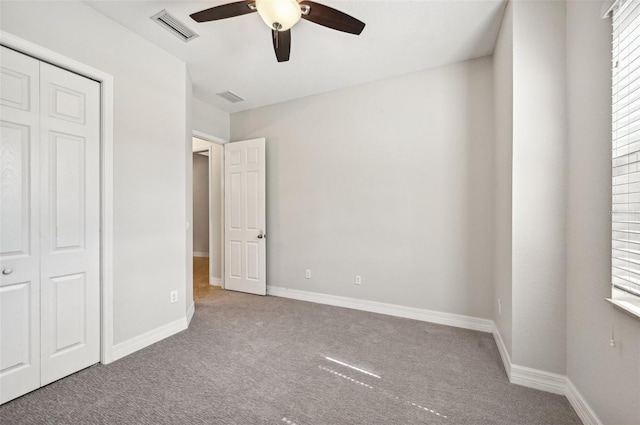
column 106, row 174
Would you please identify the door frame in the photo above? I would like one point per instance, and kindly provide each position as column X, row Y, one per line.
column 106, row 174
column 217, row 141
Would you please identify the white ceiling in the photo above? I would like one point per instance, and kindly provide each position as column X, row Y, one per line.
column 236, row 54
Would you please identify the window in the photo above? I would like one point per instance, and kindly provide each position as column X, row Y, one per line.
column 626, row 151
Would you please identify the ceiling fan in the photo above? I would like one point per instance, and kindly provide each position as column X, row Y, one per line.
column 281, row 15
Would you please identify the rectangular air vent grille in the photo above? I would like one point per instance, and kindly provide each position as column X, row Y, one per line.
column 174, row 26
column 231, row 97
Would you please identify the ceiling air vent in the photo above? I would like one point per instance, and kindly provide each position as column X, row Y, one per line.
column 174, row 26
column 231, row 97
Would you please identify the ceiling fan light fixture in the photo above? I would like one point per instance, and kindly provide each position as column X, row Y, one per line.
column 280, row 15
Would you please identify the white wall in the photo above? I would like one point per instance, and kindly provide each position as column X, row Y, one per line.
column 150, row 122
column 391, row 180
column 538, row 231
column 188, row 196
column 561, row 227
column 210, row 120
column 200, row 203
column 503, row 95
column 609, row 379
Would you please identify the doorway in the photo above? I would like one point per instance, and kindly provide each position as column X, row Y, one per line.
column 208, row 208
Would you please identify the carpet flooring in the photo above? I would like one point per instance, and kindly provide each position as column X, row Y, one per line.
column 263, row 360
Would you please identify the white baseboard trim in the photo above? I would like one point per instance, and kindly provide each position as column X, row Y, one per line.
column 146, row 339
column 215, row 281
column 450, row 319
column 538, row 379
column 191, row 312
column 526, row 376
column 580, row 405
column 504, row 353
column 201, row 254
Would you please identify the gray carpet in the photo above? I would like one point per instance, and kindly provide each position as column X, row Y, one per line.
column 263, row 360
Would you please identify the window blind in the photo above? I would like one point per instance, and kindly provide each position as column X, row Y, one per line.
column 626, row 147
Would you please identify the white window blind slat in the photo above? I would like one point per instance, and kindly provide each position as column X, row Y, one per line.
column 625, row 147
column 625, row 10
column 623, row 251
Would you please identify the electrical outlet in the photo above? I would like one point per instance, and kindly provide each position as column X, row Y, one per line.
column 307, row 274
column 174, row 297
column 499, row 306
column 358, row 279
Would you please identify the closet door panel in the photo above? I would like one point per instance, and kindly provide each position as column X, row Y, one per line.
column 70, row 238
column 19, row 225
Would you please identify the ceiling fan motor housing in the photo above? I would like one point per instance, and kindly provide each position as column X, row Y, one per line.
column 279, row 15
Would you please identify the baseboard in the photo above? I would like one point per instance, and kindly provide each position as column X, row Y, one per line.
column 504, row 353
column 526, row 376
column 580, row 405
column 190, row 312
column 201, row 254
column 450, row 319
column 538, row 379
column 146, row 339
column 215, row 281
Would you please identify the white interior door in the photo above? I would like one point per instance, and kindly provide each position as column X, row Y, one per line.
column 245, row 216
column 19, row 225
column 70, row 222
column 50, row 224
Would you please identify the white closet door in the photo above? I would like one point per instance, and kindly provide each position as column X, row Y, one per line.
column 70, row 222
column 19, row 226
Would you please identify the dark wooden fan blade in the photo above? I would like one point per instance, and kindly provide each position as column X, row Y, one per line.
column 281, row 44
column 332, row 18
column 222, row 12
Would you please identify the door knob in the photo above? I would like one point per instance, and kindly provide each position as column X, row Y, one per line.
column 7, row 271
column 262, row 235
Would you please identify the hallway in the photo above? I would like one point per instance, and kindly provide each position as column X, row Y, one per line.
column 201, row 286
